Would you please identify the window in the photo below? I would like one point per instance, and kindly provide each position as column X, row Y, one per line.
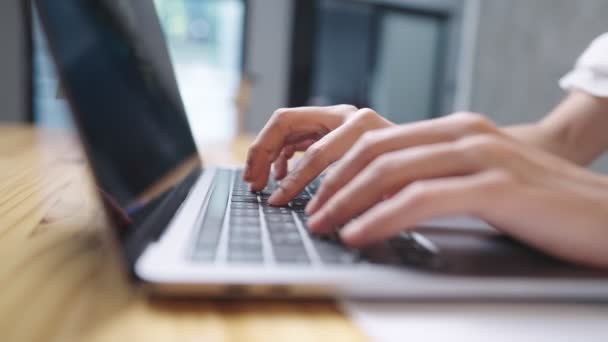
column 205, row 40
column 407, row 65
column 398, row 57
column 49, row 108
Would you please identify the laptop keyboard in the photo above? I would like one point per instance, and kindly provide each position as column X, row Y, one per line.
column 240, row 227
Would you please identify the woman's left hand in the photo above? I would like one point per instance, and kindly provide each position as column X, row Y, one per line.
column 395, row 178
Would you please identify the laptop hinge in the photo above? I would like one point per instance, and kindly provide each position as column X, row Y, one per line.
column 153, row 219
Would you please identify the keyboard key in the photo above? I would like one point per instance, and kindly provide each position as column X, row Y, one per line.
column 245, row 257
column 293, row 259
column 286, row 238
column 244, row 199
column 241, row 187
column 213, row 220
column 243, row 205
column 298, row 203
column 281, row 227
column 291, row 254
column 253, row 246
column 266, row 193
column 236, row 212
column 209, row 235
column 275, row 210
column 244, row 221
column 281, row 218
column 303, row 196
column 238, row 191
column 245, row 229
column 247, row 245
column 248, row 232
column 314, row 186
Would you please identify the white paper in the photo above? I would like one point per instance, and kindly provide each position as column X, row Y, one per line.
column 472, row 322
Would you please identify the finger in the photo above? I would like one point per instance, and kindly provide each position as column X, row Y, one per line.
column 314, row 161
column 386, row 175
column 264, row 169
column 424, row 200
column 282, row 162
column 280, row 165
column 283, row 126
column 374, row 144
column 303, row 145
column 322, row 153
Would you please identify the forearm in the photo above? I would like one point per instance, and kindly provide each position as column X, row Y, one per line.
column 577, row 129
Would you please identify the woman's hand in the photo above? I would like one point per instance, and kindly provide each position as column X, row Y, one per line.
column 325, row 133
column 397, row 177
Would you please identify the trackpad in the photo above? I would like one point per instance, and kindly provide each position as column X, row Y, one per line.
column 471, row 247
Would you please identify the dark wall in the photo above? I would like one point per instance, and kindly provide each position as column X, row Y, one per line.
column 12, row 61
column 523, row 49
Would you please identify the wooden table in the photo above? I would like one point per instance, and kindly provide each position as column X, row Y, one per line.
column 61, row 280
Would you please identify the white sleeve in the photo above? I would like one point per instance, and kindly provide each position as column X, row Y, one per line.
column 591, row 71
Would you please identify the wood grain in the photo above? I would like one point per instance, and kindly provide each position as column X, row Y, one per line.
column 62, row 280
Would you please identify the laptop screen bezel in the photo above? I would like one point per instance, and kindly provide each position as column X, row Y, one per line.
column 132, row 244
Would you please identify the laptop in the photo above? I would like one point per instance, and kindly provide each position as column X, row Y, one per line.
column 188, row 228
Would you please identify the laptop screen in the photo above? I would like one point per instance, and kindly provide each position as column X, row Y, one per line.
column 132, row 124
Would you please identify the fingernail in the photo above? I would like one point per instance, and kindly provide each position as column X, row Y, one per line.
column 314, row 223
column 345, row 237
column 354, row 235
column 348, row 234
column 276, row 196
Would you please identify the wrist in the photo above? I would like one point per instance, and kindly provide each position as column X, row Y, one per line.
column 533, row 134
column 545, row 137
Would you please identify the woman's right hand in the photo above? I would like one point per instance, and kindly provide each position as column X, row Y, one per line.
column 324, row 133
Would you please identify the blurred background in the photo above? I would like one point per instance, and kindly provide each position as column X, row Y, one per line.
column 236, row 61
